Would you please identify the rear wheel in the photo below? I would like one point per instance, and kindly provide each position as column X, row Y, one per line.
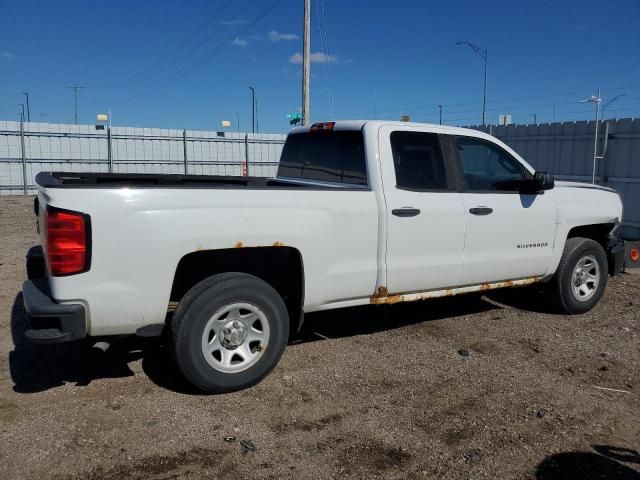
column 581, row 278
column 228, row 332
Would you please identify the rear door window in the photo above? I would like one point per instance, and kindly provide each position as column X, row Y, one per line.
column 335, row 156
column 418, row 161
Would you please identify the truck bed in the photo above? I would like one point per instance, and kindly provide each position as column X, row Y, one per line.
column 144, row 180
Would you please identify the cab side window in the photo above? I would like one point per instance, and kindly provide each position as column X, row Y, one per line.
column 487, row 167
column 418, row 161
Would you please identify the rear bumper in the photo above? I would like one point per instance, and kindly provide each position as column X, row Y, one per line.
column 50, row 322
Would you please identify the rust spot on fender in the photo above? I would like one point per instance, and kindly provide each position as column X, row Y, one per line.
column 239, row 245
column 278, row 244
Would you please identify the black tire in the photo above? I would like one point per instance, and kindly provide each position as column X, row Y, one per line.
column 560, row 288
column 200, row 304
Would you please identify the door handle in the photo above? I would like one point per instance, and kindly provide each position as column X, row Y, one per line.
column 405, row 212
column 481, row 210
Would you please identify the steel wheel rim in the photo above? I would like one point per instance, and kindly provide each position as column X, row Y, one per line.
column 585, row 278
column 235, row 337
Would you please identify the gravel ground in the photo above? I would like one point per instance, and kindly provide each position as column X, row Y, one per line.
column 491, row 387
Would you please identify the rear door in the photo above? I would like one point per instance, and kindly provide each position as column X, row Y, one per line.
column 509, row 234
column 425, row 213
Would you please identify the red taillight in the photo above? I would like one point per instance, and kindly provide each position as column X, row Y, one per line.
column 322, row 126
column 634, row 254
column 67, row 242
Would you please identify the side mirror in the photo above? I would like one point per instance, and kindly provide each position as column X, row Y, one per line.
column 543, row 181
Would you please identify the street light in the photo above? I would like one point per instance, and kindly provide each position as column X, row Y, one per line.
column 440, row 107
column 22, row 105
column 253, row 109
column 26, row 94
column 597, row 100
column 484, row 55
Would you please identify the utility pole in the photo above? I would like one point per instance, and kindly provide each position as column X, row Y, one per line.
column 306, row 63
column 440, row 108
column 253, row 109
column 484, row 54
column 22, row 113
column 238, row 122
column 26, row 94
column 535, row 118
column 75, row 87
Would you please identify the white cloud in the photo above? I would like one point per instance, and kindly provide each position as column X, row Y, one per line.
column 317, row 57
column 277, row 36
column 233, row 23
column 239, row 42
column 7, row 56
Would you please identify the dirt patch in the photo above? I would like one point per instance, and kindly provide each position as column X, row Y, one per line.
column 161, row 467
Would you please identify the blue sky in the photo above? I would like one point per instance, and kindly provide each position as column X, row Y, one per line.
column 189, row 64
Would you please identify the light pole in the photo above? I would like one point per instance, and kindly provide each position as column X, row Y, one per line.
column 26, row 94
column 440, row 108
column 75, row 87
column 22, row 105
column 485, row 56
column 253, row 109
column 597, row 100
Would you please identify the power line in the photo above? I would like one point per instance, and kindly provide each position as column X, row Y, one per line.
column 203, row 59
column 132, row 79
column 503, row 108
column 147, row 77
column 499, row 101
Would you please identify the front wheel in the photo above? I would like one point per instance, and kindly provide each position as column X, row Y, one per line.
column 581, row 278
column 228, row 332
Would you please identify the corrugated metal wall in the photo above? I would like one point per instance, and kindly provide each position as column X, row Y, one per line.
column 566, row 150
column 82, row 148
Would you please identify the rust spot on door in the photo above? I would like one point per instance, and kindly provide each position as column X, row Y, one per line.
column 381, row 292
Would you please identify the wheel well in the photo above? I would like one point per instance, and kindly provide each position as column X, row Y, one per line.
column 598, row 232
column 280, row 267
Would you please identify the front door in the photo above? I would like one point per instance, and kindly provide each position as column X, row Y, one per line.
column 509, row 234
column 425, row 213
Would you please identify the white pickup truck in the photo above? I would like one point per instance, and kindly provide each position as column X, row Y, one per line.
column 361, row 212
